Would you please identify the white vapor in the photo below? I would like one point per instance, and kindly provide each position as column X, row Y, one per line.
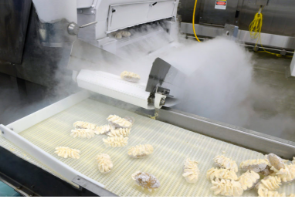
column 219, row 75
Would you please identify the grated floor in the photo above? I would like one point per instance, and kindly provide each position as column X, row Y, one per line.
column 172, row 145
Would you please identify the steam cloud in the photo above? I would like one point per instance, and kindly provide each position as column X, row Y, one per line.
column 219, row 75
column 219, row 82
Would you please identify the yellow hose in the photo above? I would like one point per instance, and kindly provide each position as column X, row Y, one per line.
column 255, row 32
column 256, row 25
column 194, row 21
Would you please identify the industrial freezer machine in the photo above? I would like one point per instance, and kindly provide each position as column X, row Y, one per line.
column 35, row 137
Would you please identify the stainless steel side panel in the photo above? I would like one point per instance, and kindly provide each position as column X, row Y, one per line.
column 270, row 40
column 211, row 15
column 236, row 135
column 201, row 30
column 131, row 14
column 278, row 15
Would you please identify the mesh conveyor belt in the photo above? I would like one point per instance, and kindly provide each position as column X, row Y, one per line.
column 172, row 145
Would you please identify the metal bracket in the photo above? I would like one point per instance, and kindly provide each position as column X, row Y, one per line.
column 283, row 52
column 163, row 91
column 231, row 31
column 159, row 100
column 87, row 11
column 92, row 187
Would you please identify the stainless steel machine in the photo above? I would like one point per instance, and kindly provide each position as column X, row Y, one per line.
column 277, row 30
column 80, row 35
column 213, row 20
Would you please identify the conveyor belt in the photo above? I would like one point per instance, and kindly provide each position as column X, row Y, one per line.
column 172, row 145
